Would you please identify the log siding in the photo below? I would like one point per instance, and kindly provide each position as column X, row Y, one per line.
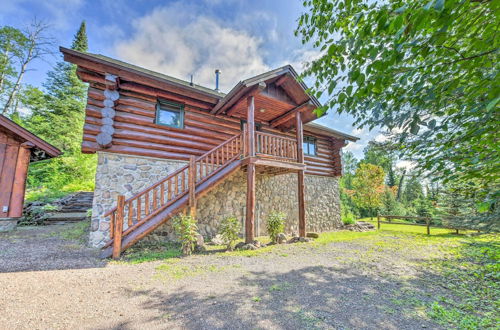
column 137, row 133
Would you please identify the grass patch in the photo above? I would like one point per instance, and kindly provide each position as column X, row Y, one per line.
column 75, row 232
column 173, row 270
column 147, row 252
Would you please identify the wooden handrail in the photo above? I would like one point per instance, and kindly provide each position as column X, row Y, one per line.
column 276, row 146
column 168, row 190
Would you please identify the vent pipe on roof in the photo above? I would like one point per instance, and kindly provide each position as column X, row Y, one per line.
column 217, row 74
column 191, row 82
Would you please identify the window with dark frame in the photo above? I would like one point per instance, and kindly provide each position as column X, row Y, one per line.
column 309, row 146
column 170, row 114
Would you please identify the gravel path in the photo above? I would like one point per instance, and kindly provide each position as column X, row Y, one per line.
column 342, row 285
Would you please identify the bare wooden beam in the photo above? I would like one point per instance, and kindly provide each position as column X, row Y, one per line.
column 290, row 114
column 250, row 214
column 118, row 227
column 281, row 80
column 252, row 92
column 301, row 183
column 251, row 125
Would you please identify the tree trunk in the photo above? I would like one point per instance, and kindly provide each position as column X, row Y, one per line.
column 15, row 90
column 400, row 186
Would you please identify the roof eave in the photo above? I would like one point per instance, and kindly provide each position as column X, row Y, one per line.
column 89, row 57
column 28, row 136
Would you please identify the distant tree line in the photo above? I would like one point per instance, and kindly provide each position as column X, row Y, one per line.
column 55, row 112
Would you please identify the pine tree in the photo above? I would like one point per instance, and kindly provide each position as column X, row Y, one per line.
column 60, row 119
column 57, row 115
column 80, row 42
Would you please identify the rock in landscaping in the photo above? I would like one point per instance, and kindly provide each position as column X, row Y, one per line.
column 297, row 239
column 217, row 240
column 239, row 246
column 200, row 244
column 281, row 238
column 360, row 226
column 312, row 235
column 250, row 246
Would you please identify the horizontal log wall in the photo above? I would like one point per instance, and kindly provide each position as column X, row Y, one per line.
column 137, row 134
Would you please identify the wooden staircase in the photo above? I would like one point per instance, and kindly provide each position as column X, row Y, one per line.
column 136, row 217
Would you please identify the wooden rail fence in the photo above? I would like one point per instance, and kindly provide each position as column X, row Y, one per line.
column 428, row 223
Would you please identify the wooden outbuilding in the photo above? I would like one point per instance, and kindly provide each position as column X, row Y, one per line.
column 18, row 148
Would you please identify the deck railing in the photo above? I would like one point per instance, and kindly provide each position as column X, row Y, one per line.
column 144, row 205
column 276, row 147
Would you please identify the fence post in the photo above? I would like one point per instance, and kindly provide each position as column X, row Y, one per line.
column 428, row 220
column 192, row 186
column 117, row 240
column 378, row 221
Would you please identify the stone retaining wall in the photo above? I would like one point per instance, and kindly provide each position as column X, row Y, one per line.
column 129, row 174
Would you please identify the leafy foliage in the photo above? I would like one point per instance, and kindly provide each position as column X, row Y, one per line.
column 368, row 185
column 426, row 70
column 185, row 228
column 229, row 230
column 275, row 225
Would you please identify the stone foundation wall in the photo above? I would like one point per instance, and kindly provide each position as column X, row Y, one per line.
column 128, row 174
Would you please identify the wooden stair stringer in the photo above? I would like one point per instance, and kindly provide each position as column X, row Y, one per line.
column 170, row 211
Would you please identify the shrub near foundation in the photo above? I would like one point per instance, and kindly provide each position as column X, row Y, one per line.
column 185, row 229
column 229, row 230
column 275, row 225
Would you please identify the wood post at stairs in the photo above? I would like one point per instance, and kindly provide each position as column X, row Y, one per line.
column 192, row 187
column 300, row 176
column 250, row 212
column 118, row 227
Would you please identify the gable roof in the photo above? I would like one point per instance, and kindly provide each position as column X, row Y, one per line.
column 27, row 136
column 243, row 86
column 98, row 58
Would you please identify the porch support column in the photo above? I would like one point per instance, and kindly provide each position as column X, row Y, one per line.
column 301, row 184
column 250, row 216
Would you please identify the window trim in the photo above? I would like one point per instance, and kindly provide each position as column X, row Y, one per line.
column 311, row 140
column 173, row 107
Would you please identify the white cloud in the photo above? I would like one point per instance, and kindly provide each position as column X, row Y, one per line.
column 406, row 164
column 178, row 41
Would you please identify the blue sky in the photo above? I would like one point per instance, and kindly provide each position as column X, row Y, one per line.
column 179, row 38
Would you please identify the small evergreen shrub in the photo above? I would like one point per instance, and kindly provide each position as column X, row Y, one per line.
column 348, row 219
column 185, row 228
column 275, row 225
column 229, row 230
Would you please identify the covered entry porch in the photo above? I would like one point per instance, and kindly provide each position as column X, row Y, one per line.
column 272, row 108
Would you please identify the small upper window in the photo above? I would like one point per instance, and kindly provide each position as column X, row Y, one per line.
column 309, row 146
column 170, row 114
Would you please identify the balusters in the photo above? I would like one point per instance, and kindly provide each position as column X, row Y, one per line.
column 112, row 224
column 146, row 203
column 130, row 213
column 155, row 199
column 139, row 210
column 183, row 181
column 169, row 189
column 162, row 193
column 176, row 188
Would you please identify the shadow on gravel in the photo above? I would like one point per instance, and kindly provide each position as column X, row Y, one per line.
column 307, row 298
column 52, row 247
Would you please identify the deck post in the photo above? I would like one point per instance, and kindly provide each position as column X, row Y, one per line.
column 300, row 176
column 250, row 214
column 118, row 227
column 192, row 186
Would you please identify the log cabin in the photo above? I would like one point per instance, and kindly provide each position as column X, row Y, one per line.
column 18, row 148
column 166, row 146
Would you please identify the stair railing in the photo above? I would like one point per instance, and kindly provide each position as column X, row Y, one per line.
column 144, row 205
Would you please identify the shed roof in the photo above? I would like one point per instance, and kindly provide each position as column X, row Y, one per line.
column 8, row 125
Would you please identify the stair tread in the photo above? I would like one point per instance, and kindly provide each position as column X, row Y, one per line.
column 173, row 209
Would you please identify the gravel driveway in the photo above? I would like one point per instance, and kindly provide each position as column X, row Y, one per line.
column 340, row 285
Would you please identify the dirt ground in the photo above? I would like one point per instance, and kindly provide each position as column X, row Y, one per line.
column 48, row 281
